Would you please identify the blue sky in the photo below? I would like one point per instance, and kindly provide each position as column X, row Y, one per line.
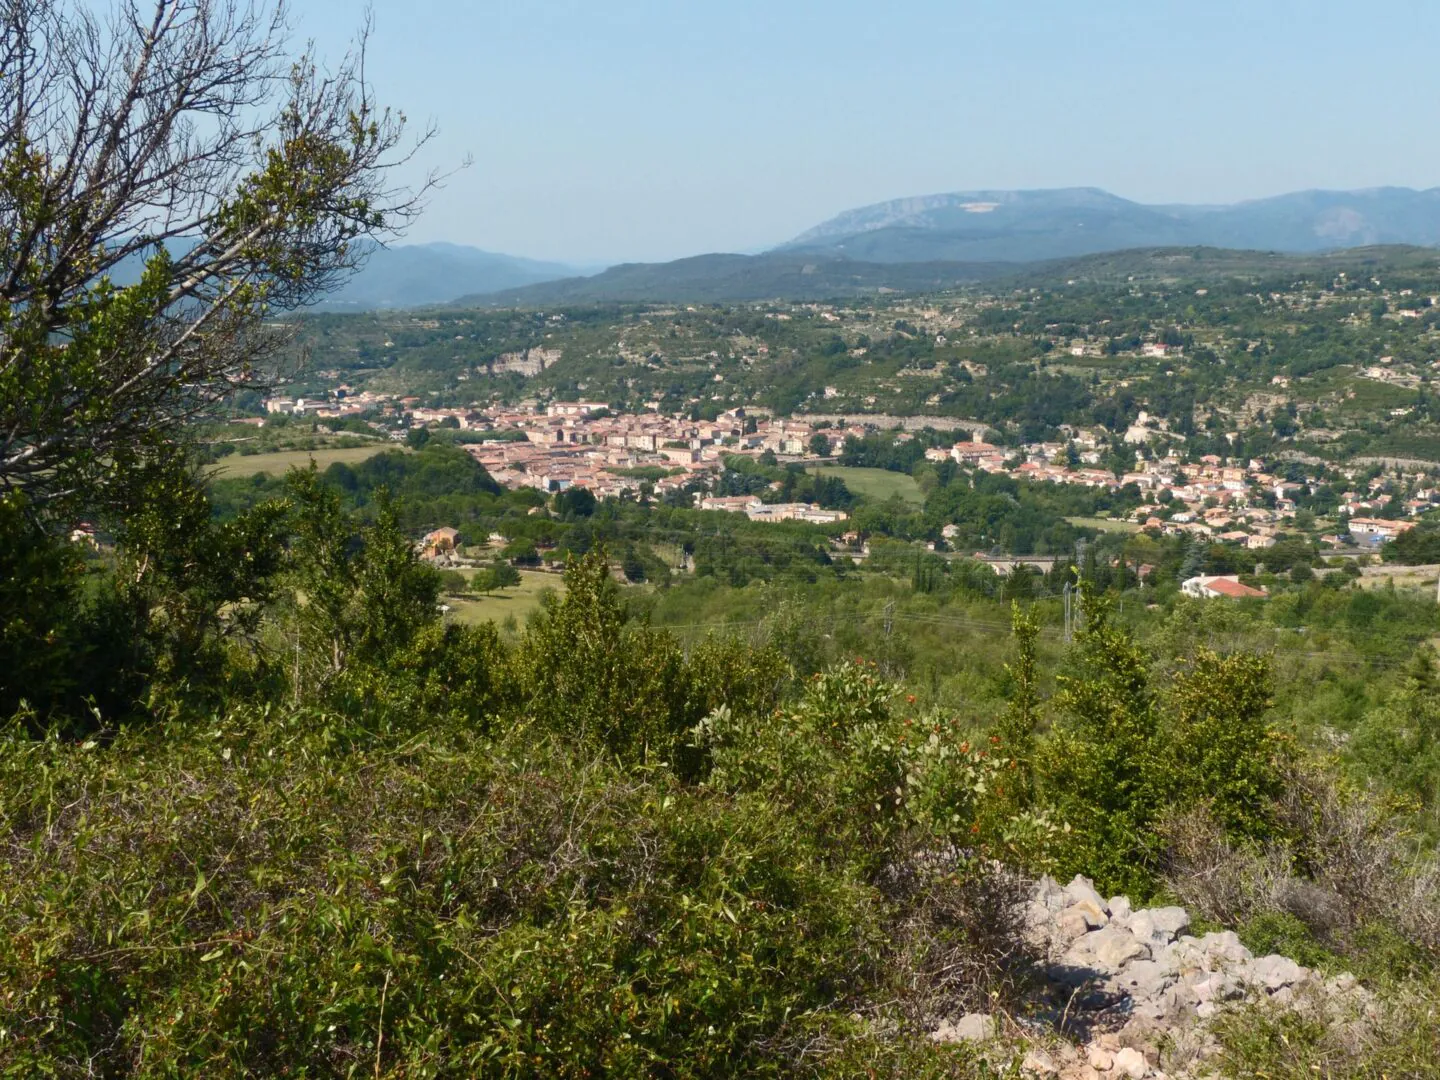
column 608, row 130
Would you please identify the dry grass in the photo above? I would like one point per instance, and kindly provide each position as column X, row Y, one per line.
column 1104, row 524
column 518, row 601
column 279, row 462
column 877, row 485
column 1348, row 865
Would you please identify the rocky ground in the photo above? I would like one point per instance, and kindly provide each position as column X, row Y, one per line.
column 1129, row 993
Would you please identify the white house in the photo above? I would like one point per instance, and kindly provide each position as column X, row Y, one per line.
column 1207, row 587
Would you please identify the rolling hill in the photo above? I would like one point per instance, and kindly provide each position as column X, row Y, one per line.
column 794, row 276
column 722, row 278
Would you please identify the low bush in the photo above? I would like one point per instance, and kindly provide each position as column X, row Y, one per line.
column 1396, row 1037
column 1343, row 876
column 1124, row 753
column 276, row 892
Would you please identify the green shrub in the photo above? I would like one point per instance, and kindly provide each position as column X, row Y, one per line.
column 1122, row 756
column 842, row 759
column 277, row 894
column 1400, row 1038
column 67, row 641
column 1283, row 933
column 595, row 677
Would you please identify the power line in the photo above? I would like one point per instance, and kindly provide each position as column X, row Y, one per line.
column 1054, row 633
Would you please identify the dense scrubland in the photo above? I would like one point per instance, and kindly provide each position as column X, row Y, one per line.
column 265, row 810
column 740, row 799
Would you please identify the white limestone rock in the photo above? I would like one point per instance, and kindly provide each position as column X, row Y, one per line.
column 1131, row 1062
column 1082, row 889
column 1159, row 926
column 1275, row 973
column 972, row 1027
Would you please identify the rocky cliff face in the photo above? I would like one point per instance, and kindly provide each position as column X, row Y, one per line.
column 1130, row 993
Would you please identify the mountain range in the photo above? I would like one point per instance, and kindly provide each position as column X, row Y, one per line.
column 1025, row 226
column 913, row 244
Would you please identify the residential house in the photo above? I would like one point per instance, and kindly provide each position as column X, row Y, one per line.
column 1215, row 587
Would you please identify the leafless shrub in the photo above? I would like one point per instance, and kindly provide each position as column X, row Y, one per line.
column 1320, row 908
column 1416, row 906
column 959, row 934
column 1347, row 861
column 1209, row 874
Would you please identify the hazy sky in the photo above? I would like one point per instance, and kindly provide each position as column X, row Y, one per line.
column 606, row 130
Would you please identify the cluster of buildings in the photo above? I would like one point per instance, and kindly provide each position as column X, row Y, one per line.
column 756, row 510
column 340, row 403
column 1232, row 501
column 582, row 444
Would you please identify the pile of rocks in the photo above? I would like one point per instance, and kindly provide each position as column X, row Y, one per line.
column 1125, row 981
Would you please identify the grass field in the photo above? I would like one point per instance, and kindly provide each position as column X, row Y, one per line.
column 519, row 601
column 1402, row 577
column 878, row 485
column 281, row 461
column 1105, row 524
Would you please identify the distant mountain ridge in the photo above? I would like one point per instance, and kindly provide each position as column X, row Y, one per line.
column 726, row 278
column 790, row 275
column 1028, row 226
column 415, row 275
column 913, row 244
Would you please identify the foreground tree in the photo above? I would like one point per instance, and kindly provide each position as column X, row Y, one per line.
column 169, row 177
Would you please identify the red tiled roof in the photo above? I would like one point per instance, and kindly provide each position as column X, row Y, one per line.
column 1226, row 587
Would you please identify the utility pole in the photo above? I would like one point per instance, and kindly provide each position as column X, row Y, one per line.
column 889, row 617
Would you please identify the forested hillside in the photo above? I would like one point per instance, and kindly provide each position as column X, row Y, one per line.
column 1328, row 357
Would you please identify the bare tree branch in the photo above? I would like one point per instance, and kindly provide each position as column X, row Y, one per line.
column 170, row 178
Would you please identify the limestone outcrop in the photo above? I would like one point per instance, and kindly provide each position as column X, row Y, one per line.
column 1118, row 984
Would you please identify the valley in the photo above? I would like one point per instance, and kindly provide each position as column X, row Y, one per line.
column 990, row 633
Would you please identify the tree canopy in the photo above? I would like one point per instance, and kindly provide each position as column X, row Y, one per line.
column 170, row 176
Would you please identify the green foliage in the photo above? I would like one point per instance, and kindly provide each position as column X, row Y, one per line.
column 359, row 597
column 1122, row 755
column 1281, row 932
column 454, row 583
column 575, row 502
column 882, row 451
column 1099, row 768
column 1216, row 744
column 67, row 640
column 600, row 678
column 356, row 834
column 1414, row 547
column 498, row 575
column 430, row 907
column 1400, row 741
column 843, row 760
column 1399, row 1038
column 200, row 588
column 1017, row 726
